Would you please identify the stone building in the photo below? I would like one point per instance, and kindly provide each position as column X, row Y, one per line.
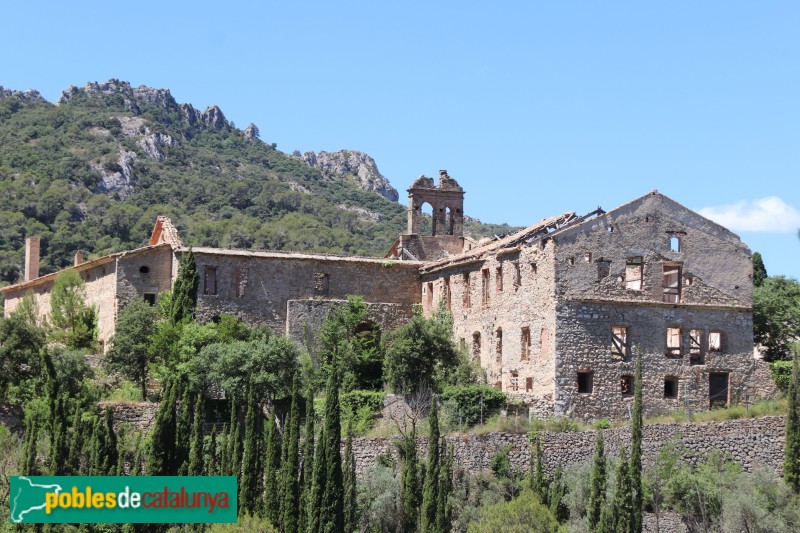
column 555, row 313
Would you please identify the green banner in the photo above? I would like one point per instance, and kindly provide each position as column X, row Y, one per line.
column 122, row 499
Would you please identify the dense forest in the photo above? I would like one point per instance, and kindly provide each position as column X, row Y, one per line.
column 93, row 171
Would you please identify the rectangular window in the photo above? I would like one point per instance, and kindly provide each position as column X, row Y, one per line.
column 695, row 341
column 670, row 387
column 587, row 257
column 517, row 275
column 498, row 279
column 321, row 283
column 718, row 389
column 671, row 284
column 715, row 341
column 514, row 385
column 585, row 382
column 498, row 345
column 485, row 286
column 210, row 283
column 525, row 344
column 626, row 385
column 633, row 274
column 528, row 384
column 150, row 298
column 619, row 342
column 675, row 244
column 465, row 299
column 674, row 341
column 603, row 268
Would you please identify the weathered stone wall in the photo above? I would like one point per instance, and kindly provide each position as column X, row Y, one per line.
column 138, row 415
column 142, row 272
column 257, row 286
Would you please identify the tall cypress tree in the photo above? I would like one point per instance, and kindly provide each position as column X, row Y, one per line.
column 332, row 509
column 759, row 270
column 635, row 470
column 622, row 505
column 272, row 465
column 29, row 466
column 251, row 474
column 307, row 467
column 349, row 482
column 183, row 432
column 791, row 463
column 211, row 467
column 444, row 509
column 184, row 291
column 556, row 496
column 235, row 444
column 76, row 443
column 409, row 483
column 59, row 445
column 138, row 455
column 597, row 494
column 162, row 450
column 196, row 446
column 291, row 466
column 431, row 484
column 538, row 478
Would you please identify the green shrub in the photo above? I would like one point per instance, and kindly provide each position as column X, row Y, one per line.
column 469, row 405
column 782, row 374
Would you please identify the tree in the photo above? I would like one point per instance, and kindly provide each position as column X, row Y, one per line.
column 776, row 316
column 635, row 470
column 74, row 323
column 538, row 478
column 130, row 350
column 409, row 482
column 418, row 350
column 759, row 270
column 307, row 467
column 183, row 430
column 291, row 467
column 196, row 446
column 332, row 508
column 556, row 496
column 444, row 509
column 161, row 459
column 105, row 455
column 272, row 464
column 597, row 496
column 431, row 484
column 251, row 473
column 524, row 514
column 350, row 504
column 21, row 342
column 184, row 291
column 621, row 509
column 791, row 463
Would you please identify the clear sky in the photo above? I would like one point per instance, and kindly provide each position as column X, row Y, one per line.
column 534, row 107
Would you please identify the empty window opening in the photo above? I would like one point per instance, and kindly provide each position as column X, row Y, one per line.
column 689, row 280
column 429, row 295
column 571, row 261
column 603, row 268
column 674, row 341
column 321, row 283
column 525, row 344
column 514, row 382
column 446, row 292
column 718, row 389
column 585, row 382
column 633, row 274
column 675, row 244
column 210, row 277
column 695, row 341
column 610, row 229
column 528, row 384
column 476, row 346
column 485, row 286
column 498, row 345
column 587, row 257
column 670, row 387
column 671, row 284
column 427, row 220
column 626, row 385
column 465, row 299
column 517, row 275
column 534, row 268
column 144, row 269
column 150, row 297
column 619, row 342
column 715, row 341
column 448, row 221
column 498, row 278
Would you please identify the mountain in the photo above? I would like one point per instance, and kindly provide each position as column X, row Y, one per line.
column 92, row 171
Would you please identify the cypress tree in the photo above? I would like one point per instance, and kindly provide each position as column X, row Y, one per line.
column 791, row 463
column 183, row 432
column 557, row 492
column 59, row 447
column 211, row 465
column 597, row 494
column 635, row 470
column 184, row 292
column 623, row 496
column 272, row 466
column 431, row 484
column 307, row 466
column 444, row 509
column 349, row 482
column 161, row 458
column 29, row 466
column 248, row 483
column 111, row 446
column 196, row 446
column 138, row 455
column 759, row 270
column 236, row 445
column 538, row 479
column 332, row 509
column 291, row 466
column 76, row 444
column 409, row 483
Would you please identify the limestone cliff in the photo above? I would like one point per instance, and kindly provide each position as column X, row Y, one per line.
column 353, row 163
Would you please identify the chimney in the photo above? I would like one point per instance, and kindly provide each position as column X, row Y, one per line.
column 31, row 258
column 78, row 258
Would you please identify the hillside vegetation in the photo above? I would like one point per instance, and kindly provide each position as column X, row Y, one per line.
column 93, row 171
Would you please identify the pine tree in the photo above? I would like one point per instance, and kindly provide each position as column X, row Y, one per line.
column 272, row 464
column 635, row 470
column 196, row 446
column 431, row 484
column 444, row 509
column 291, row 466
column 183, row 432
column 791, row 463
column 307, row 467
column 597, row 494
column 409, row 483
column 349, row 482
column 332, row 509
column 161, row 458
column 184, row 291
column 538, row 478
column 251, row 474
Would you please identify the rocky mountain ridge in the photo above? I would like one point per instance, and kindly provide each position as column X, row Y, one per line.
column 352, row 163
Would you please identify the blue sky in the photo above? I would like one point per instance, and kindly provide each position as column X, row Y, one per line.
column 534, row 107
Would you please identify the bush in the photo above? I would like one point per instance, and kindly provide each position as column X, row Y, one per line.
column 782, row 374
column 467, row 406
column 522, row 514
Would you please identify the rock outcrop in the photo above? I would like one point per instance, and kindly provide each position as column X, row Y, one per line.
column 352, row 163
column 25, row 97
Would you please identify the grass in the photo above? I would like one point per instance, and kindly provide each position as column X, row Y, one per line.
column 124, row 391
column 733, row 412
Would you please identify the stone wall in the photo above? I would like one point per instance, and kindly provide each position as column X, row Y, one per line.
column 139, row 415
column 144, row 271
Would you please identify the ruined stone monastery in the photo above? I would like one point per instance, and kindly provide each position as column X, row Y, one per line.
column 555, row 313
